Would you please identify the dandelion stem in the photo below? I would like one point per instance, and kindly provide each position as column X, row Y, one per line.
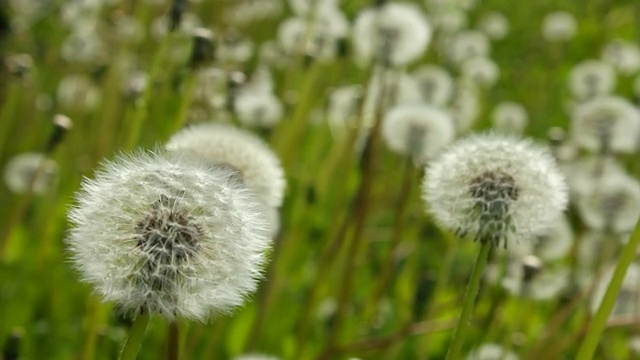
column 173, row 342
column 600, row 319
column 469, row 302
column 136, row 335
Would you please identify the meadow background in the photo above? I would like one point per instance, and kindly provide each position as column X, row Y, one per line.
column 358, row 268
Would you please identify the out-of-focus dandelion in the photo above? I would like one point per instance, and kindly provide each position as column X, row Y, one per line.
column 468, row 44
column 435, row 84
column 559, row 26
column 257, row 108
column 78, row 92
column 256, row 163
column 481, row 70
column 168, row 234
column 611, row 204
column 419, row 131
column 465, row 107
column 509, row 118
column 30, row 171
column 449, row 19
column 555, row 244
column 394, row 34
column 491, row 352
column 623, row 55
column 495, row 25
column 604, row 124
column 591, row 78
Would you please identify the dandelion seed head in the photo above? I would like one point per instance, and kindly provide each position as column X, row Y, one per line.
column 509, row 118
column 481, row 70
column 256, row 163
column 591, row 78
column 257, row 108
column 419, row 131
column 435, row 84
column 606, row 124
column 623, row 55
column 611, row 203
column 168, row 234
column 495, row 188
column 394, row 34
column 30, row 170
column 559, row 26
column 495, row 25
column 468, row 44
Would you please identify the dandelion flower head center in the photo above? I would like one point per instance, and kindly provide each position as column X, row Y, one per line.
column 493, row 192
column 167, row 235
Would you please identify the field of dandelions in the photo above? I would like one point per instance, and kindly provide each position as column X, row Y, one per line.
column 319, row 179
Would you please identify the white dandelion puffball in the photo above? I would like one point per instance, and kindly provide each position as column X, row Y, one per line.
column 30, row 170
column 420, row 130
column 256, row 108
column 481, row 70
column 393, row 34
column 509, row 118
column 256, row 163
column 435, row 83
column 491, row 352
column 591, row 78
column 495, row 25
column 466, row 105
column 168, row 234
column 623, row 55
column 608, row 123
column 612, row 203
column 468, row 44
column 495, row 188
column 559, row 26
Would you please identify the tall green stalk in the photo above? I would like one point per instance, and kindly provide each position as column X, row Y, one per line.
column 136, row 335
column 469, row 302
column 599, row 321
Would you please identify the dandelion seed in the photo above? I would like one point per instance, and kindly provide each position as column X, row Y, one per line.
column 591, row 78
column 256, row 163
column 419, row 131
column 394, row 34
column 495, row 188
column 30, row 170
column 509, row 118
column 606, row 124
column 169, row 235
column 559, row 26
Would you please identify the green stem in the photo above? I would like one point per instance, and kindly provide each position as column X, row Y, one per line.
column 469, row 302
column 600, row 319
column 173, row 342
column 136, row 335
